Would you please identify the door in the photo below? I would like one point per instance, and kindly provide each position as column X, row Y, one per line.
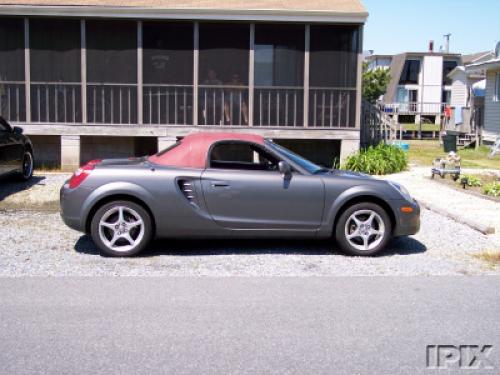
column 243, row 189
column 12, row 148
column 3, row 149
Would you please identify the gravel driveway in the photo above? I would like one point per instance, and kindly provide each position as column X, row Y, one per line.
column 38, row 243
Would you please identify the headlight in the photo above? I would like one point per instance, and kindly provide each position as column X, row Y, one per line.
column 404, row 192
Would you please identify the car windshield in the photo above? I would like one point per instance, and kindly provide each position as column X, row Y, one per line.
column 297, row 159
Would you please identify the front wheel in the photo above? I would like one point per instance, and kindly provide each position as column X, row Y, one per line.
column 363, row 229
column 121, row 228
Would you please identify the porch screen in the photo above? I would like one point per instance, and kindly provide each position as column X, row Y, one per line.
column 12, row 92
column 333, row 73
column 168, row 73
column 55, row 70
column 223, row 74
column 279, row 75
column 111, row 71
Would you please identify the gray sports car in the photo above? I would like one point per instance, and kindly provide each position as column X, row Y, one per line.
column 225, row 185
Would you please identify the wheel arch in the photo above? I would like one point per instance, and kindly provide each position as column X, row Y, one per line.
column 364, row 198
column 118, row 197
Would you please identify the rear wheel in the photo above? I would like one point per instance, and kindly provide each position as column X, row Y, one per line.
column 121, row 228
column 27, row 166
column 363, row 229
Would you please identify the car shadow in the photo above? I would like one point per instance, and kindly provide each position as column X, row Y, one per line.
column 10, row 185
column 175, row 247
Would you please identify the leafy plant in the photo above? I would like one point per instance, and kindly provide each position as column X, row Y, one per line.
column 471, row 181
column 379, row 160
column 492, row 189
column 374, row 83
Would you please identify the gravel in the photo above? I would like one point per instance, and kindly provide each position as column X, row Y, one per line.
column 39, row 244
column 39, row 193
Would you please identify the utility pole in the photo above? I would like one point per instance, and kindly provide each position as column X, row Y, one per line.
column 447, row 44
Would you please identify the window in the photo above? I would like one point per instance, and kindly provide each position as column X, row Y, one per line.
column 12, row 91
column 446, row 97
column 411, row 71
column 279, row 75
column 223, row 74
column 333, row 75
column 168, row 73
column 241, row 156
column 55, row 70
column 448, row 66
column 111, row 71
column 497, row 88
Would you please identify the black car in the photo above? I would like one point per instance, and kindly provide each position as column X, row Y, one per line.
column 16, row 151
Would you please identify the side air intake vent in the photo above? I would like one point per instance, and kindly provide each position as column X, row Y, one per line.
column 187, row 188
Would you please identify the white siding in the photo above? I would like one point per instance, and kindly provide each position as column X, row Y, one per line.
column 491, row 108
column 459, row 90
column 432, row 79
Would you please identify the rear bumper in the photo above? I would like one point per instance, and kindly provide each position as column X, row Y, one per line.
column 407, row 224
column 70, row 200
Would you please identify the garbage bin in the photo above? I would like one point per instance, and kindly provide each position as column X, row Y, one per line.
column 450, row 142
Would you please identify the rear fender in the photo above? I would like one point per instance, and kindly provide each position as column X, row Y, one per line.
column 117, row 188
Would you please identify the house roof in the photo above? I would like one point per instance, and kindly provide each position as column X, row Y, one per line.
column 345, row 7
column 193, row 149
column 485, row 65
column 475, row 57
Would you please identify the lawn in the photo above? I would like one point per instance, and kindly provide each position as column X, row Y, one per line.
column 424, row 152
column 425, row 127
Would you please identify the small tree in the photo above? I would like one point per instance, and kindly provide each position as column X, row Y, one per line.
column 374, row 83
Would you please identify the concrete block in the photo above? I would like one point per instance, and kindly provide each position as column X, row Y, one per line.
column 70, row 152
column 348, row 147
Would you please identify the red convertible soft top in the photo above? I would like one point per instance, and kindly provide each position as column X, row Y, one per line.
column 193, row 149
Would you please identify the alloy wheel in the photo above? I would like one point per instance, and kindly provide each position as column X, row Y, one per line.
column 364, row 230
column 121, row 229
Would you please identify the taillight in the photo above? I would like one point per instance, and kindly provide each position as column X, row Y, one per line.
column 81, row 174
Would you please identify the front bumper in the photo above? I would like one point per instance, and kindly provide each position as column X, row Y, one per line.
column 407, row 224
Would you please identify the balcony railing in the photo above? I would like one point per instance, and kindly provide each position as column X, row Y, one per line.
column 164, row 104
column 56, row 102
column 414, row 108
column 111, row 103
column 13, row 101
column 332, row 107
column 168, row 104
column 223, row 105
column 279, row 106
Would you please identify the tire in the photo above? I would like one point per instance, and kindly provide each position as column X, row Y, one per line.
column 121, row 229
column 27, row 166
column 368, row 237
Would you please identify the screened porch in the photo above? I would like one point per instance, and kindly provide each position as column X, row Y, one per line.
column 178, row 73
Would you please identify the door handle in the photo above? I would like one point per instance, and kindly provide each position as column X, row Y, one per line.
column 216, row 184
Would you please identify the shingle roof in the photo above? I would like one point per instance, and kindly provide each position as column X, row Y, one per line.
column 326, row 6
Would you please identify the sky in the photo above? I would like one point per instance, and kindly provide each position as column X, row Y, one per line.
column 396, row 26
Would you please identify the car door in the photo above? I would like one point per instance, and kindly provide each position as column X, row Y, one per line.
column 243, row 189
column 3, row 149
column 12, row 148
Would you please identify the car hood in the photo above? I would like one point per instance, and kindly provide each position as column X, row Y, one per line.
column 349, row 174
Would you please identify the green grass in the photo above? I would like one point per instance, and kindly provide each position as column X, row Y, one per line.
column 423, row 153
column 425, row 127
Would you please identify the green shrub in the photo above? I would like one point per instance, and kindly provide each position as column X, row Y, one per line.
column 378, row 160
column 492, row 189
column 471, row 181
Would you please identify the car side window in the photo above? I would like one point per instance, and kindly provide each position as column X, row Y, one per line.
column 241, row 156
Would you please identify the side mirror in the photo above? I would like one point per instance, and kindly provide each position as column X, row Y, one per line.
column 17, row 130
column 285, row 170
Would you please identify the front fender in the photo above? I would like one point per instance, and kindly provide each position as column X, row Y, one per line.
column 335, row 204
column 117, row 188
